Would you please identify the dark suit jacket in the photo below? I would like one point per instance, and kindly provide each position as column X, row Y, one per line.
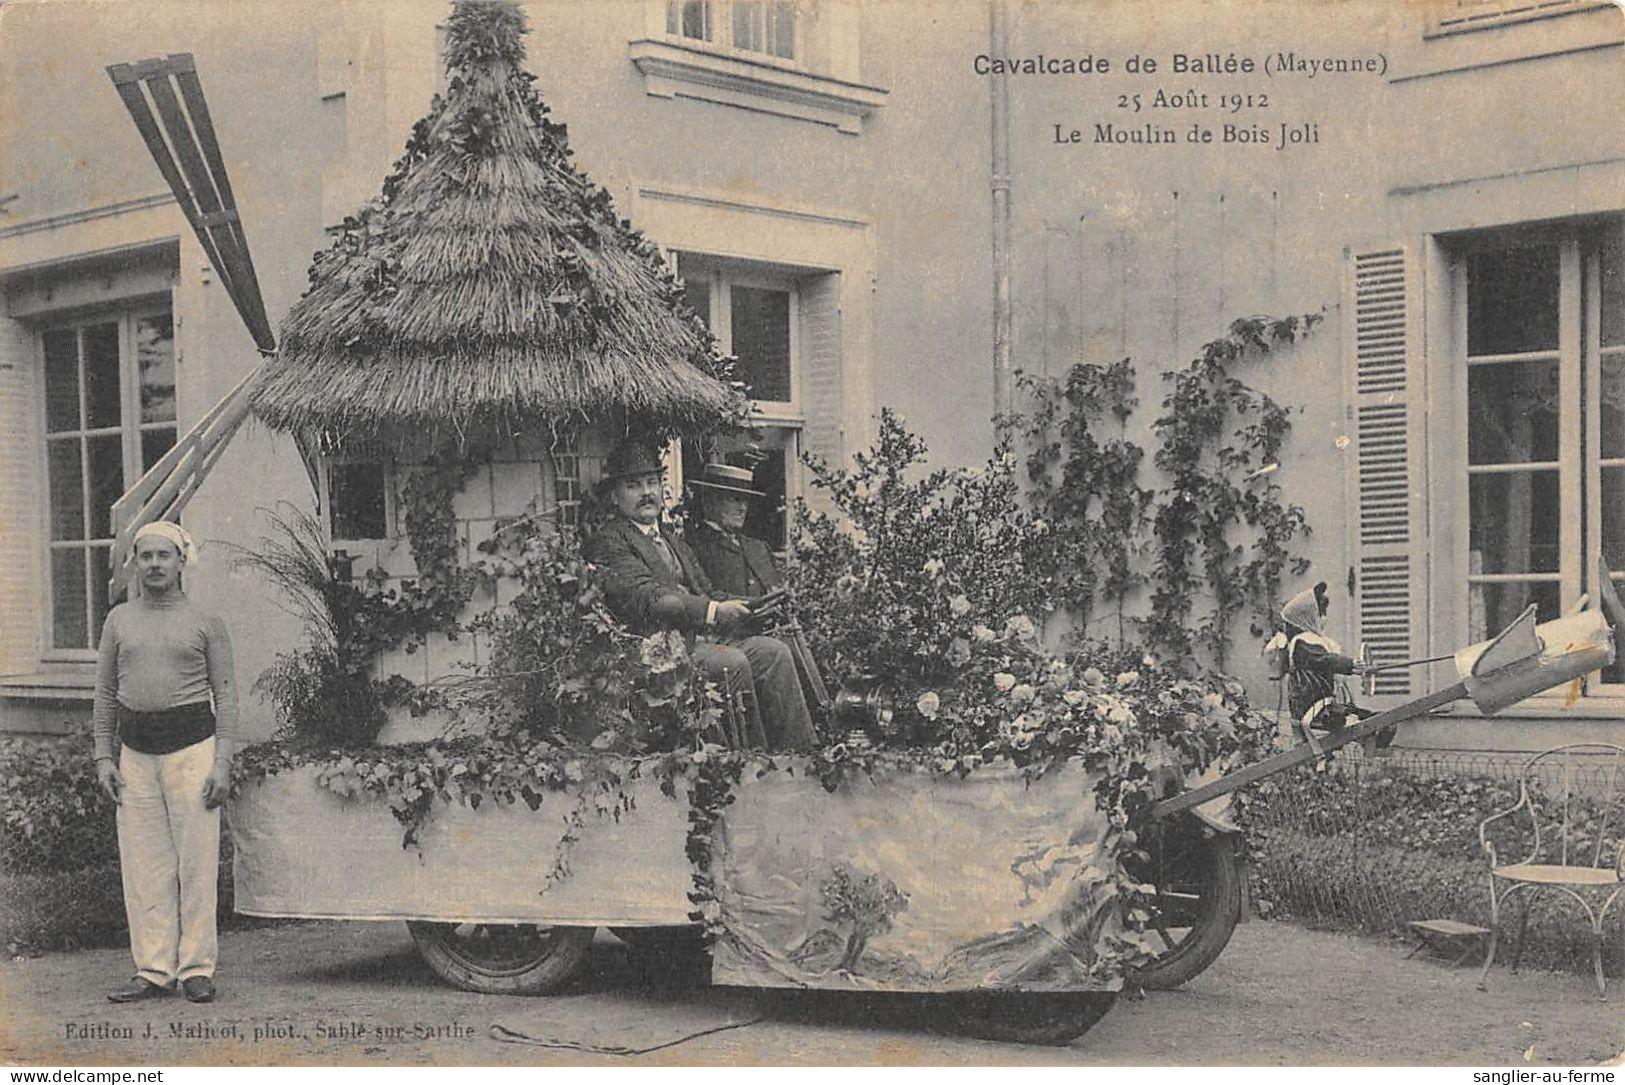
column 641, row 589
column 739, row 565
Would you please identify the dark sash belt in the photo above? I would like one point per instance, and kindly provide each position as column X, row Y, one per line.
column 167, row 730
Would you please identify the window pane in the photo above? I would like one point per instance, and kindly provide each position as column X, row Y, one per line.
column 154, row 443
column 1513, row 522
column 106, row 482
column 697, row 292
column 1612, row 406
column 101, row 376
column 66, row 487
column 1613, row 518
column 1613, row 291
column 99, row 575
column 747, row 25
column 357, row 493
column 68, row 599
column 696, row 20
column 761, row 340
column 61, row 380
column 783, row 18
column 155, row 360
column 1493, row 607
column 1512, row 301
column 1512, row 410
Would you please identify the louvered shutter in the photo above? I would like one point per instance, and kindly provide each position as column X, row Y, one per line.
column 821, row 398
column 1386, row 391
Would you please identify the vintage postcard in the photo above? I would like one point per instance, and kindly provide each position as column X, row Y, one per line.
column 812, row 532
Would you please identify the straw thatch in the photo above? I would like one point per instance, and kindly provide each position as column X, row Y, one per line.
column 491, row 280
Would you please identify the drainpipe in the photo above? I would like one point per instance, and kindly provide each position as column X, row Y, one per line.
column 999, row 92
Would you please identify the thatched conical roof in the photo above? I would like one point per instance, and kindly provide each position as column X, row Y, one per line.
column 491, row 280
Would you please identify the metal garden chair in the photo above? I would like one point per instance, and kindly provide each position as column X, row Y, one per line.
column 1573, row 814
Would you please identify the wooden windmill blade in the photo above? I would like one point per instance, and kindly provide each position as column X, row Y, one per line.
column 172, row 116
column 166, row 101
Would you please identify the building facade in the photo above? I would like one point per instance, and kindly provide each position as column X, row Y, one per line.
column 1445, row 185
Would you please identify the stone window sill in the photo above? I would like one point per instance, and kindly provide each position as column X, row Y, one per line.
column 671, row 70
column 56, row 684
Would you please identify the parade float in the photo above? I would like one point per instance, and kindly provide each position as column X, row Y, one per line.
column 470, row 742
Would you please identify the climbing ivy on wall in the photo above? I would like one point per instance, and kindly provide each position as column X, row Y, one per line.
column 1215, row 539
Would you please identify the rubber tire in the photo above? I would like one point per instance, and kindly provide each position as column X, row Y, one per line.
column 555, row 965
column 1221, row 911
column 1029, row 1017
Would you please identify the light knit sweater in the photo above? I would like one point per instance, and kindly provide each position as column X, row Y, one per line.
column 163, row 654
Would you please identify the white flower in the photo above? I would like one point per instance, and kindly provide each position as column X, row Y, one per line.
column 1023, row 694
column 1094, row 678
column 982, row 634
column 1111, row 734
column 1127, row 678
column 1120, row 713
column 929, row 704
column 1020, row 626
column 933, row 568
column 959, row 651
column 1004, row 682
column 959, row 606
column 1074, row 697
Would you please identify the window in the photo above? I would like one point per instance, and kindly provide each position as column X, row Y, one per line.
column 754, row 316
column 109, row 415
column 566, row 458
column 1545, row 457
column 751, row 26
column 358, row 499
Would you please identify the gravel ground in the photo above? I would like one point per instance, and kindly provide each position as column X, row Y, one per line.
column 357, row 994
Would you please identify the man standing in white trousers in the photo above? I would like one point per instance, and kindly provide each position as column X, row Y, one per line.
column 164, row 682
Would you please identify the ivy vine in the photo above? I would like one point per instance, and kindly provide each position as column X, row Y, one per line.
column 1217, row 438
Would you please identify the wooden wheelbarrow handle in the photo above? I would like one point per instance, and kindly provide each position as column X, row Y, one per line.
column 1299, row 755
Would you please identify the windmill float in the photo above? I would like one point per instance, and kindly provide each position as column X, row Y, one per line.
column 577, row 318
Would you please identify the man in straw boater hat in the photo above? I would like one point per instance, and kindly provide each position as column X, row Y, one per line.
column 653, row 581
column 737, row 563
column 165, row 684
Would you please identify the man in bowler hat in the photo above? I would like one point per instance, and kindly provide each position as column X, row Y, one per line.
column 653, row 581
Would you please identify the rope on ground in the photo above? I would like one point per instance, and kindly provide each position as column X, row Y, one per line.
column 504, row 1034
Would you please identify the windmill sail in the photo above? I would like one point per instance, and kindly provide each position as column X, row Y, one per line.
column 166, row 101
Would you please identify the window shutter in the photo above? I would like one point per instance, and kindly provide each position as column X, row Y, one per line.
column 1385, row 392
column 820, row 317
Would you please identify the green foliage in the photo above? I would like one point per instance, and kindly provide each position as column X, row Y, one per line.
column 1214, row 434
column 1213, row 541
column 559, row 665
column 1377, row 848
column 322, row 691
column 54, row 816
column 886, row 586
column 1086, row 486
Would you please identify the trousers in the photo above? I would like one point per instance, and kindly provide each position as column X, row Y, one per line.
column 169, row 859
column 766, row 665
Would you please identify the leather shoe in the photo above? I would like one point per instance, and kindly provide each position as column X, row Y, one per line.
column 198, row 988
column 138, row 989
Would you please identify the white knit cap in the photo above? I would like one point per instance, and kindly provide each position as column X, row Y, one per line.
column 176, row 534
